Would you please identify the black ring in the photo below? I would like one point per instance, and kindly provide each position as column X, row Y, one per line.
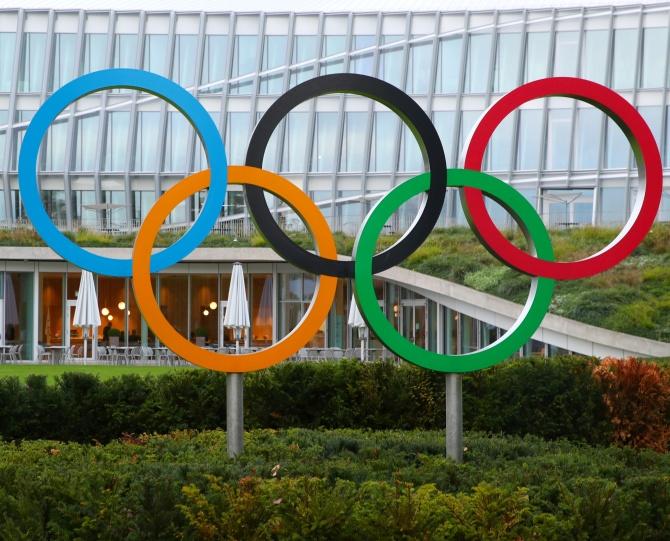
column 420, row 125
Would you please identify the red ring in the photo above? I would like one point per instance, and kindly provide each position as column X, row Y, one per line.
column 647, row 156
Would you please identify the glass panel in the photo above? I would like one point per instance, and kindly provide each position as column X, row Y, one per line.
column 173, row 298
column 51, row 309
column 81, row 214
column 214, row 63
column 390, row 66
column 625, row 54
column 323, row 150
column 304, row 48
column 155, row 47
column 244, row 57
column 117, row 140
column 301, row 75
column 115, row 217
column 95, row 47
column 612, row 206
column 500, row 147
column 21, row 116
column 183, row 67
column 654, row 53
column 594, row 55
column 54, row 154
column 200, row 161
column 112, row 302
column 529, row 140
column 587, row 138
column 293, row 157
column 477, row 68
column 204, row 309
column 363, row 64
column 419, row 71
column 7, row 44
column 363, row 41
column 565, row 53
column 274, row 55
column 537, row 55
column 54, row 204
column 337, row 317
column 448, row 65
column 333, row 45
column 468, row 119
column 146, row 140
column 4, row 116
column 652, row 115
column 353, row 141
column 125, row 50
column 558, row 139
column 142, row 202
column 237, row 130
column 617, row 148
column 508, row 56
column 444, row 124
column 179, row 131
column 410, row 153
column 32, row 65
column 666, row 160
column 85, row 151
column 383, row 141
column 64, row 55
column 261, row 310
column 18, row 301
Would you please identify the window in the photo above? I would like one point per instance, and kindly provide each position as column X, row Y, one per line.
column 565, row 54
column 4, row 116
column 295, row 136
column 237, row 133
column 244, row 62
column 612, row 206
column 32, row 65
column 587, row 138
column 155, row 47
column 146, row 140
column 508, row 55
column 419, row 68
column 448, row 65
column 21, row 117
column 537, row 56
column 274, row 56
column 353, row 141
column 444, row 124
column 477, row 68
column 529, row 139
column 54, row 155
column 666, row 161
column 81, row 199
column 95, row 47
column 179, row 132
column 125, row 50
column 617, row 148
column 410, row 153
column 363, row 63
column 64, row 55
column 323, row 149
column 200, row 160
column 116, row 144
column 7, row 41
column 594, row 56
column 86, row 143
column 654, row 53
column 300, row 75
column 382, row 156
column 468, row 119
column 625, row 54
column 333, row 45
column 558, row 139
column 652, row 116
column 115, row 216
column 304, row 48
column 390, row 66
column 54, row 204
column 183, row 67
column 214, row 63
column 500, row 147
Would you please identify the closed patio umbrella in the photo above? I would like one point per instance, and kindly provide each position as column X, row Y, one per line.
column 356, row 321
column 236, row 318
column 86, row 311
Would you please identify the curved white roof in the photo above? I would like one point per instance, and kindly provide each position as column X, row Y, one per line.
column 311, row 6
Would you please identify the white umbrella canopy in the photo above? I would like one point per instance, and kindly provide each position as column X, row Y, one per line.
column 86, row 311
column 357, row 322
column 237, row 307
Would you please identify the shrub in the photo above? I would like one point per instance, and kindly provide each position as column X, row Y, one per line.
column 637, row 395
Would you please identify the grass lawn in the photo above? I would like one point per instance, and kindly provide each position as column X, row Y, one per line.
column 103, row 372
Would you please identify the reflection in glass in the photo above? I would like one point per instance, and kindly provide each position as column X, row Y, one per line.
column 7, row 41
column 214, row 63
column 54, row 204
column 323, row 150
column 32, row 64
column 146, row 140
column 594, row 55
column 64, row 55
column 587, row 138
column 565, row 53
column 508, row 55
column 183, row 67
column 448, row 62
column 558, row 139
column 625, row 53
column 477, row 67
column 537, row 56
column 654, row 48
column 353, row 141
column 530, row 136
column 116, row 140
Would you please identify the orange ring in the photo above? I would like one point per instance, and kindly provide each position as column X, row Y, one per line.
column 246, row 362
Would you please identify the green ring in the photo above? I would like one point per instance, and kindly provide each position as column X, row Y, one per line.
column 536, row 306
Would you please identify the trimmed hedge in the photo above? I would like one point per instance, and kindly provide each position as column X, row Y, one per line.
column 342, row 484
column 551, row 398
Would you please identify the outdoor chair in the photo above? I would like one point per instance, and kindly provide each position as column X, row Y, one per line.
column 337, row 353
column 44, row 355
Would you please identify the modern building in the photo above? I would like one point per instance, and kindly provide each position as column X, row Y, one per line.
column 111, row 154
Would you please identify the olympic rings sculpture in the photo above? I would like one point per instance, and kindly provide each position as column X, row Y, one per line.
column 538, row 263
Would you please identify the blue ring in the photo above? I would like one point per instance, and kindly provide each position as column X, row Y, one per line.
column 146, row 82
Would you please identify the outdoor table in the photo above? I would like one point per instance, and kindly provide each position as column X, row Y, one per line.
column 124, row 350
column 58, row 353
column 4, row 350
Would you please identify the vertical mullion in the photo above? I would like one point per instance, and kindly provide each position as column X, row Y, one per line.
column 197, row 75
column 573, row 117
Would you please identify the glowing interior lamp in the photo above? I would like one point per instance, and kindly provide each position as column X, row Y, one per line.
column 105, row 311
column 213, row 305
column 110, row 317
column 205, row 312
column 122, row 305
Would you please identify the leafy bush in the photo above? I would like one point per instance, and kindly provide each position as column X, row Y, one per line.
column 637, row 395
